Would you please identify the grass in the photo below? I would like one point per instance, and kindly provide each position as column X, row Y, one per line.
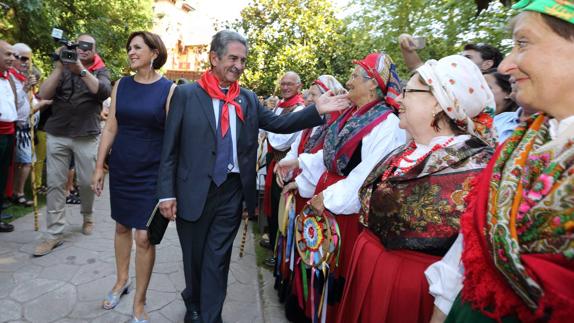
column 18, row 211
column 260, row 253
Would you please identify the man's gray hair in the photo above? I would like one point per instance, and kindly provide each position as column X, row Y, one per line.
column 222, row 38
column 294, row 75
column 21, row 48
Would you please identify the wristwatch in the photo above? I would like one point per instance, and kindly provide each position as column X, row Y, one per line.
column 83, row 72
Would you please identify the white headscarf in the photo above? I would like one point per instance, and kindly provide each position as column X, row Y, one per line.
column 460, row 89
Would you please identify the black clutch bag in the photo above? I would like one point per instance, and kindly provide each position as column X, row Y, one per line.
column 156, row 226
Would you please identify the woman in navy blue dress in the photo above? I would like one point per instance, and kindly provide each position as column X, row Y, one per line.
column 134, row 134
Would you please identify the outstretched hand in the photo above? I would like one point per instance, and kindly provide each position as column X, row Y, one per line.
column 328, row 102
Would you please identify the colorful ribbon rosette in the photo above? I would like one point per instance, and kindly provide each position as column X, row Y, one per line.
column 317, row 238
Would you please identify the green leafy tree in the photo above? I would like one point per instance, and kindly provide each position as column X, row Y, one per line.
column 109, row 21
column 446, row 24
column 300, row 35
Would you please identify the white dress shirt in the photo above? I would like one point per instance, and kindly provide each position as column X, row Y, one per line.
column 7, row 105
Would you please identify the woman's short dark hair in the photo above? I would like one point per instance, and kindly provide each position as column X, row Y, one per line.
column 154, row 42
column 442, row 116
column 504, row 82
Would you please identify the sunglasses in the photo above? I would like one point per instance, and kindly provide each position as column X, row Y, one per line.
column 23, row 59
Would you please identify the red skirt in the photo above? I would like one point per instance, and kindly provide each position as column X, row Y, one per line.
column 349, row 225
column 300, row 203
column 385, row 285
column 350, row 228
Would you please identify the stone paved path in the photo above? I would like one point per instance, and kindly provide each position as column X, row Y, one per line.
column 69, row 284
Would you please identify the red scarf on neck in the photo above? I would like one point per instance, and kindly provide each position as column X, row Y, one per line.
column 98, row 63
column 19, row 76
column 210, row 84
column 297, row 99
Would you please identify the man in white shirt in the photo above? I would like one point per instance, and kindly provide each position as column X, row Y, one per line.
column 8, row 116
column 279, row 145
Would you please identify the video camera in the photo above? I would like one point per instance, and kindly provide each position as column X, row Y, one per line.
column 69, row 53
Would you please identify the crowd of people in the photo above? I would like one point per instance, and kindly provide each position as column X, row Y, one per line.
column 444, row 197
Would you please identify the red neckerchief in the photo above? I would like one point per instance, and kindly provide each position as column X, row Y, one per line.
column 98, row 63
column 297, row 99
column 19, row 76
column 210, row 84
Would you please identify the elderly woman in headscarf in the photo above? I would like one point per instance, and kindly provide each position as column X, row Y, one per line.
column 354, row 143
column 412, row 200
column 518, row 232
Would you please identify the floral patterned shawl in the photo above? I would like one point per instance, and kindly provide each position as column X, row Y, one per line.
column 519, row 231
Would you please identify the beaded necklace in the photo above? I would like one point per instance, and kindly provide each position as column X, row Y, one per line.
column 395, row 165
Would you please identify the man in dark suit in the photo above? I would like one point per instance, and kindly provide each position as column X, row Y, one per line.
column 208, row 168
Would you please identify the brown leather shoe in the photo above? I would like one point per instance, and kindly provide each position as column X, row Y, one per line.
column 47, row 246
column 87, row 228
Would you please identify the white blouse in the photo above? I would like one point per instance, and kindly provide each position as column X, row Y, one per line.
column 343, row 196
column 445, row 276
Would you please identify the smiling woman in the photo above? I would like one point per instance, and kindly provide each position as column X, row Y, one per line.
column 134, row 134
column 518, row 232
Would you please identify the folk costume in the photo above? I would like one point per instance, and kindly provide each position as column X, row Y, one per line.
column 308, row 141
column 353, row 145
column 517, row 245
column 411, row 204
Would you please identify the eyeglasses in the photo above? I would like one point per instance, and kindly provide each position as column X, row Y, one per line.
column 23, row 59
column 405, row 91
column 354, row 76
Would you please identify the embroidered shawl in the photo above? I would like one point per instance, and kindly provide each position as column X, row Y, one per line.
column 420, row 209
column 519, row 229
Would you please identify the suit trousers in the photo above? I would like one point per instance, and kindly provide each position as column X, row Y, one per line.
column 59, row 154
column 206, row 248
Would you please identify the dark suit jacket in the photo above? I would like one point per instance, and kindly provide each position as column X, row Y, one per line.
column 189, row 145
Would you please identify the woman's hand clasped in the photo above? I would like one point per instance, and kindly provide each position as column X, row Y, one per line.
column 283, row 169
column 316, row 204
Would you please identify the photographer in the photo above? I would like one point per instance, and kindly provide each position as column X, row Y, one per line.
column 77, row 90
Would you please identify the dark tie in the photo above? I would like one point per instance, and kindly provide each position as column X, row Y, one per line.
column 224, row 156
